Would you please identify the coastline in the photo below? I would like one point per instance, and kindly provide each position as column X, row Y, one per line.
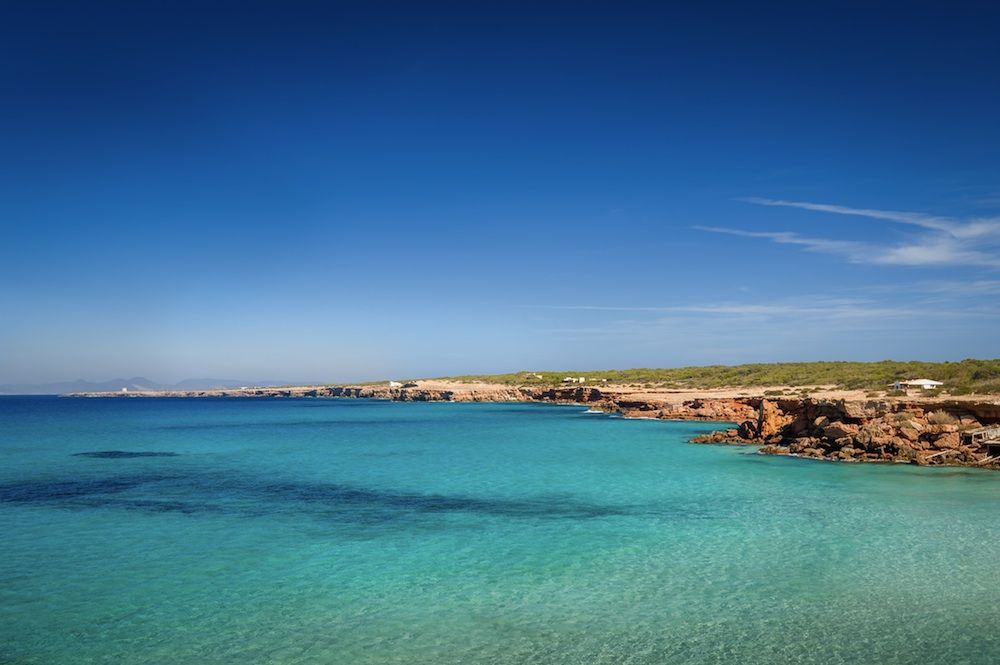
column 830, row 424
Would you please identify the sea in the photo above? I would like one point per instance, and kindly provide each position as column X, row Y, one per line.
column 290, row 531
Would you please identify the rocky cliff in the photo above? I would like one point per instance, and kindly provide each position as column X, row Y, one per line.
column 920, row 432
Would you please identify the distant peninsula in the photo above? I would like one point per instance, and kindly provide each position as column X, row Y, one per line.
column 911, row 412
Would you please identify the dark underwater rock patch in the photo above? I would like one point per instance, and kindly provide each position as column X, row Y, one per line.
column 123, row 454
column 253, row 496
column 44, row 491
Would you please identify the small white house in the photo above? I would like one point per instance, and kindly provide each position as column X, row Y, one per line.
column 923, row 384
column 395, row 384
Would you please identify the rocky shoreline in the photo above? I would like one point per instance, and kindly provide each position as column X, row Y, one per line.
column 925, row 432
column 613, row 400
column 918, row 431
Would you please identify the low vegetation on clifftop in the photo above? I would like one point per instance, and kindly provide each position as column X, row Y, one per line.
column 959, row 378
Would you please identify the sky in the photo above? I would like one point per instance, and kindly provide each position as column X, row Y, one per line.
column 362, row 190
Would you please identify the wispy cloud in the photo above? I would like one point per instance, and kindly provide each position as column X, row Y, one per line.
column 943, row 241
column 811, row 306
column 965, row 288
column 846, row 247
column 915, row 218
column 778, row 329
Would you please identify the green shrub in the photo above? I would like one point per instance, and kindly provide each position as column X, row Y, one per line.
column 941, row 418
column 979, row 376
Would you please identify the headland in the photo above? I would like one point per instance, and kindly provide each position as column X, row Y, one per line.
column 822, row 422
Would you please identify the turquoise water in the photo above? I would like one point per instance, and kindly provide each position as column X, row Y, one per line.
column 326, row 531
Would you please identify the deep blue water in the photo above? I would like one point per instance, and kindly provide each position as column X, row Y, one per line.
column 328, row 531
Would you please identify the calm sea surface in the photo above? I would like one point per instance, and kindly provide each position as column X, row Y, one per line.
column 325, row 531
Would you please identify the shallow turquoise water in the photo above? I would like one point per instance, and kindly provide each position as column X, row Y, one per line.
column 326, row 531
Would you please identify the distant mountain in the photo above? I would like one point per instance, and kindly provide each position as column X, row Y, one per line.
column 135, row 383
column 205, row 384
column 202, row 384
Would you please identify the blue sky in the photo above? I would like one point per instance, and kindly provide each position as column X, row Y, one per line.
column 340, row 191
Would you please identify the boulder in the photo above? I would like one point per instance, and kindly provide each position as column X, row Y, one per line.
column 770, row 420
column 856, row 410
column 802, row 444
column 748, row 430
column 799, row 426
column 837, row 430
column 882, row 440
column 947, row 440
column 940, row 429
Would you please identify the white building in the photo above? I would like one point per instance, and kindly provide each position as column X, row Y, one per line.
column 395, row 384
column 923, row 384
